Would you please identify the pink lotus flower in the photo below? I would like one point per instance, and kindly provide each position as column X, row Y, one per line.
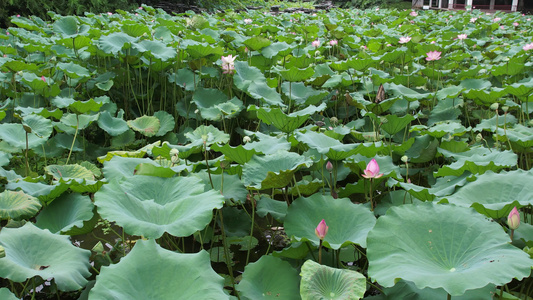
column 513, row 220
column 502, row 27
column 329, row 166
column 248, row 21
column 515, row 24
column 528, row 47
column 43, row 79
column 372, row 170
column 462, row 36
column 432, row 42
column 413, row 14
column 496, row 19
column 473, row 20
column 228, row 64
column 109, row 13
column 333, row 42
column 433, row 55
column 404, row 39
column 316, row 43
column 321, row 230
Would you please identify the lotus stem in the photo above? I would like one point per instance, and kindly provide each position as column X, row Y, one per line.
column 26, row 156
column 320, row 252
column 296, row 186
column 251, row 230
column 74, row 139
column 371, row 203
column 207, row 165
column 226, row 251
column 449, row 297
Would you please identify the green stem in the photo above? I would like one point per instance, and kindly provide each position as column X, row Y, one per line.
column 226, row 251
column 251, row 230
column 320, row 253
column 74, row 139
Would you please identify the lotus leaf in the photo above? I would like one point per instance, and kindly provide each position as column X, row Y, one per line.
column 323, row 282
column 150, row 206
column 146, row 125
column 269, row 278
column 348, row 223
column 65, row 213
column 477, row 160
column 442, row 246
column 31, row 251
column 164, row 276
column 18, row 205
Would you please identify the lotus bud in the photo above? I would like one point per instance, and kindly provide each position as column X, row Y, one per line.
column 405, row 159
column 505, row 108
column 334, row 120
column 513, row 220
column 246, row 139
column 321, row 230
column 479, row 137
column 329, row 166
column 494, row 106
column 372, row 170
column 317, row 53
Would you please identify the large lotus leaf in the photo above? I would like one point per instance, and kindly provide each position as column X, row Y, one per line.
column 277, row 209
column 68, row 26
column 495, row 194
column 166, row 122
column 269, row 278
column 6, row 294
column 257, row 43
column 520, row 135
column 246, row 74
column 396, row 124
column 267, row 144
column 286, row 123
column 114, row 42
column 323, row 282
column 278, row 48
column 237, row 154
column 73, row 70
column 156, row 49
column 38, row 125
column 405, row 92
column 294, row 74
column 83, row 107
column 185, row 78
column 31, row 251
column 66, row 213
column 272, row 171
column 213, row 104
column 228, row 185
column 111, row 125
column 67, row 172
column 326, row 145
column 15, row 135
column 200, row 50
column 442, row 246
column 444, row 186
column 151, row 272
column 208, row 134
column 500, row 121
column 150, row 206
column 18, row 205
column 477, row 160
column 302, row 94
column 348, row 223
column 408, row 290
column 42, row 191
column 261, row 91
column 146, row 125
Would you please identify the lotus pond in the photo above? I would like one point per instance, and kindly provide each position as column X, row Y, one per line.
column 349, row 154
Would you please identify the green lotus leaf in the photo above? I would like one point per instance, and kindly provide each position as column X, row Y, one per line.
column 44, row 192
column 357, row 163
column 306, row 187
column 213, row 104
column 150, row 206
column 408, row 290
column 296, row 74
column 519, row 135
column 18, row 205
column 115, row 42
column 444, row 186
column 166, row 122
column 257, row 43
column 267, row 144
column 407, row 93
column 83, row 107
column 218, row 255
column 67, row 172
column 146, row 125
column 31, row 251
column 163, row 276
column 269, row 278
column 230, row 186
column 423, row 149
column 150, row 169
column 156, row 49
column 477, row 160
column 277, row 209
column 15, row 135
column 185, row 78
column 237, row 154
column 475, row 84
column 208, row 134
column 486, row 97
column 495, row 194
column 286, row 123
column 522, row 88
column 261, row 91
column 442, row 246
column 200, row 50
column 247, row 74
column 38, row 125
column 500, row 121
column 4, row 158
column 111, row 125
column 244, row 243
column 277, row 48
column 73, row 70
column 348, row 223
column 6, row 294
column 323, row 282
column 124, row 139
column 301, row 94
column 33, row 81
column 65, row 213
column 273, row 170
column 68, row 26
column 326, row 145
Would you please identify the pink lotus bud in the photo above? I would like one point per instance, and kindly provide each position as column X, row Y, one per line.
column 321, row 230
column 43, row 79
column 372, row 170
column 333, row 42
column 329, row 166
column 316, row 43
column 513, row 220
